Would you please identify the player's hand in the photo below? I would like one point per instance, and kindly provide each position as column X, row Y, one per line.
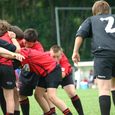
column 18, row 56
column 11, row 34
column 75, row 57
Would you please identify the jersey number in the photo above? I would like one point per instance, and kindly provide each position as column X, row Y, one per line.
column 109, row 25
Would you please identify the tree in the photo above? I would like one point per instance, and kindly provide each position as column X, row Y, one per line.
column 40, row 14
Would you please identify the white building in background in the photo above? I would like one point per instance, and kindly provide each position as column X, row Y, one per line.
column 83, row 71
column 77, row 77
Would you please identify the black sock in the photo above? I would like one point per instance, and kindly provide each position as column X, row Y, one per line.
column 2, row 101
column 52, row 110
column 67, row 112
column 77, row 104
column 16, row 112
column 25, row 106
column 113, row 96
column 105, row 104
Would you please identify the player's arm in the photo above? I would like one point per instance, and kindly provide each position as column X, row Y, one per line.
column 83, row 32
column 65, row 65
column 75, row 55
column 8, row 54
column 6, row 45
column 12, row 35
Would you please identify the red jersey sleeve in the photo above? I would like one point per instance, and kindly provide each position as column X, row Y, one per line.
column 38, row 46
column 25, row 53
column 3, row 60
column 65, row 65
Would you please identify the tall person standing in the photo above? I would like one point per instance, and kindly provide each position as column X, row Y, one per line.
column 101, row 28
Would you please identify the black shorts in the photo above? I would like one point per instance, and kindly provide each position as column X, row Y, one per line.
column 67, row 80
column 52, row 80
column 27, row 83
column 7, row 77
column 104, row 68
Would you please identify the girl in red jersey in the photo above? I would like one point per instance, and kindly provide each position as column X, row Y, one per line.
column 67, row 82
column 28, row 85
column 31, row 37
column 7, row 82
column 12, row 48
column 18, row 33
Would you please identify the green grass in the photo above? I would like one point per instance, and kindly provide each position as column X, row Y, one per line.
column 89, row 99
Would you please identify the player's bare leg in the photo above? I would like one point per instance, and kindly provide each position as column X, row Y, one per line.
column 9, row 97
column 39, row 96
column 51, row 105
column 16, row 100
column 113, row 89
column 57, row 102
column 70, row 90
column 104, row 87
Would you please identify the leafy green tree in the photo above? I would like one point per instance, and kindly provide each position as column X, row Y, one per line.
column 40, row 14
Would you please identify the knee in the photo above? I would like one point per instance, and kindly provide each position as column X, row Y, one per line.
column 71, row 93
column 104, row 92
column 51, row 97
column 38, row 95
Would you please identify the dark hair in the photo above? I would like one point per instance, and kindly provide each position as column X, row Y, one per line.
column 4, row 27
column 30, row 35
column 18, row 31
column 101, row 7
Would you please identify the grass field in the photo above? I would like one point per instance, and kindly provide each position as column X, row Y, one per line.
column 89, row 98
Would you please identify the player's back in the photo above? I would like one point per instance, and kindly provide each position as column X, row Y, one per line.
column 38, row 61
column 103, row 33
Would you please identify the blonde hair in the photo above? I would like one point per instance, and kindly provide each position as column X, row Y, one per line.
column 56, row 48
column 101, row 7
column 4, row 27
